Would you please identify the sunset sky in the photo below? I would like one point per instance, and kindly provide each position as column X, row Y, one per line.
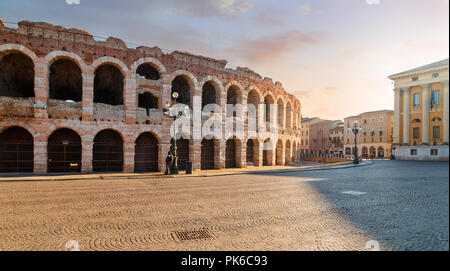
column 334, row 55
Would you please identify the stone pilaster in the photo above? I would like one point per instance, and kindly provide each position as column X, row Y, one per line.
column 41, row 89
column 86, row 155
column 128, row 156
column 195, row 151
column 221, row 159
column 40, row 156
column 425, row 114
column 163, row 149
column 446, row 111
column 88, row 97
column 396, row 136
column 130, row 100
column 406, row 127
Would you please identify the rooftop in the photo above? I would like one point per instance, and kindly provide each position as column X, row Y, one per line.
column 434, row 65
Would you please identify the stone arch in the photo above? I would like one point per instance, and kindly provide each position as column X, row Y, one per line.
column 288, row 153
column 107, row 151
column 268, row 101
column 252, row 152
column 180, row 80
column 64, row 151
column 216, row 83
column 268, row 151
column 65, row 80
column 146, row 153
column 279, row 154
column 281, row 111
column 17, row 72
column 236, row 86
column 54, row 56
column 6, row 48
column 16, row 150
column 109, row 84
column 111, row 61
column 155, row 63
column 289, row 113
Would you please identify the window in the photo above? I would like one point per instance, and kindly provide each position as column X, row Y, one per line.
column 413, row 151
column 416, row 99
column 434, row 152
column 435, row 75
column 436, row 132
column 416, row 132
column 436, row 97
column 415, row 78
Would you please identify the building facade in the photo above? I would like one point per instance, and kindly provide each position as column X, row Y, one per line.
column 69, row 103
column 337, row 140
column 421, row 118
column 320, row 140
column 374, row 138
column 305, row 134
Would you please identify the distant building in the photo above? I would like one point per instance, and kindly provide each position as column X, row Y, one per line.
column 375, row 137
column 337, row 140
column 421, row 128
column 320, row 141
column 305, row 134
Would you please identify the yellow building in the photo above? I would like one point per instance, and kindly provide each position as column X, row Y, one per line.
column 421, row 130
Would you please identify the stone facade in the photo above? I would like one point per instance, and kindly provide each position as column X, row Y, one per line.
column 421, row 117
column 111, row 80
column 375, row 137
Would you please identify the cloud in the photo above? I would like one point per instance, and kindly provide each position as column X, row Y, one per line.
column 207, row 8
column 272, row 47
column 302, row 95
column 328, row 91
column 306, row 9
column 373, row 2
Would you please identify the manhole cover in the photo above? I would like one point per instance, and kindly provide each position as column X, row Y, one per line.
column 193, row 235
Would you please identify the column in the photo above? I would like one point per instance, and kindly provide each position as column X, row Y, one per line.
column 397, row 116
column 86, row 155
column 222, row 149
column 195, row 151
column 41, row 89
column 88, row 97
column 130, row 100
column 128, row 156
column 446, row 97
column 425, row 114
column 40, row 156
column 163, row 149
column 406, row 116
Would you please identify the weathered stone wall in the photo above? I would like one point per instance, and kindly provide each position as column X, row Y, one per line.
column 44, row 44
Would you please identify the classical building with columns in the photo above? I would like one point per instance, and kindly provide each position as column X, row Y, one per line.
column 70, row 103
column 421, row 113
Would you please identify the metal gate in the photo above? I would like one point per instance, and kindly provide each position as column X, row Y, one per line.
column 146, row 153
column 64, row 151
column 182, row 152
column 16, row 150
column 207, row 154
column 107, row 151
column 230, row 154
column 250, row 146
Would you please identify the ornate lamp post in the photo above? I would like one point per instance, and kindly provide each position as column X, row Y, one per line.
column 356, row 130
column 167, row 112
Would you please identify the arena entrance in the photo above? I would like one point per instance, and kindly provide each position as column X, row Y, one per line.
column 207, row 156
column 146, row 153
column 108, row 152
column 230, row 154
column 64, row 151
column 16, row 151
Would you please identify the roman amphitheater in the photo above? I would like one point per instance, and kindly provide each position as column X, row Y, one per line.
column 71, row 103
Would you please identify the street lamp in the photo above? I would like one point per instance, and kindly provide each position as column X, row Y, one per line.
column 167, row 112
column 356, row 130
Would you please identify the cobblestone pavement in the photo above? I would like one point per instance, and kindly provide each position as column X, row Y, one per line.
column 400, row 205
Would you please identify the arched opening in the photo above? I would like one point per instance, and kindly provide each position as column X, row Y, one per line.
column 289, row 115
column 232, row 99
column 107, row 151
column 267, row 153
column 230, row 154
column 64, row 151
column 268, row 101
column 253, row 99
column 208, row 94
column 373, row 152
column 65, row 81
column 16, row 150
column 288, row 153
column 207, row 155
column 294, row 152
column 148, row 71
column 16, row 75
column 364, row 152
column 250, row 153
column 279, row 158
column 146, row 153
column 380, row 152
column 182, row 152
column 280, row 106
column 182, row 87
column 108, row 85
column 147, row 100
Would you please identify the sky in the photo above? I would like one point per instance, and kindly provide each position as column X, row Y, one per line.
column 334, row 55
